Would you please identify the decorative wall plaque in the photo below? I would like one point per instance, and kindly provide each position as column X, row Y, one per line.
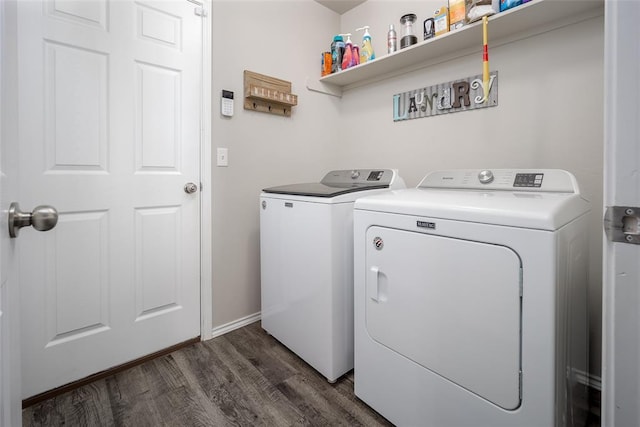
column 451, row 97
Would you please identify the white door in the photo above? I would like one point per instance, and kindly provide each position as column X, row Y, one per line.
column 621, row 281
column 110, row 95
column 10, row 413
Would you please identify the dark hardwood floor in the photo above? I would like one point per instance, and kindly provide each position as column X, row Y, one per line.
column 243, row 378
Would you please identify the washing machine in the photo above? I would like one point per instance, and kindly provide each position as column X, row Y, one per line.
column 471, row 298
column 306, row 264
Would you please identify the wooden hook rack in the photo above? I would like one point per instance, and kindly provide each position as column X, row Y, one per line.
column 268, row 94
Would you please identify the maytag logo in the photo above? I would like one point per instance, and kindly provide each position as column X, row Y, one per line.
column 425, row 224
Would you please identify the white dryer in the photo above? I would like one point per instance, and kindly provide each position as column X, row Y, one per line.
column 470, row 299
column 306, row 263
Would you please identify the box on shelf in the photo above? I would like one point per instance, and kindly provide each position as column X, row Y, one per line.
column 457, row 14
column 441, row 18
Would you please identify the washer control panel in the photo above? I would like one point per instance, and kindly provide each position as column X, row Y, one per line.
column 359, row 177
column 545, row 180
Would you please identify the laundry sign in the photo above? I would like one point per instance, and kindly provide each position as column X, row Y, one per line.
column 451, row 97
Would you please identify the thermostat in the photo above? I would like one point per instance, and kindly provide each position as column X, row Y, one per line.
column 226, row 103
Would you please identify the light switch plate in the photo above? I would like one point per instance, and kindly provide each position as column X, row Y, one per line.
column 223, row 157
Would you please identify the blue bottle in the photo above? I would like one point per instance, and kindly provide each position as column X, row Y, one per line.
column 337, row 50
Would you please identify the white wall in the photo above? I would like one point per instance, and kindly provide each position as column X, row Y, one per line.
column 549, row 115
column 282, row 39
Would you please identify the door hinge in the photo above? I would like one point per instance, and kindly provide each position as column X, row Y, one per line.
column 200, row 11
column 622, row 224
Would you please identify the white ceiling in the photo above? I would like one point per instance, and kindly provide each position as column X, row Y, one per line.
column 340, row 6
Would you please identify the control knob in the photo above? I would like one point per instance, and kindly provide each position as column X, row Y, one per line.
column 485, row 177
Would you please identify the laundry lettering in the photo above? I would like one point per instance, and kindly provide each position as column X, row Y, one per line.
column 458, row 95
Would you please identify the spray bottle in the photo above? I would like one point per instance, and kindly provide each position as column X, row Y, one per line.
column 366, row 51
column 347, row 58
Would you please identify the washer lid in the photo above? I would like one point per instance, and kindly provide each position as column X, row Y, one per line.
column 340, row 182
column 317, row 189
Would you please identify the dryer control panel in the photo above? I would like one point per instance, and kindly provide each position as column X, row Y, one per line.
column 528, row 180
column 538, row 180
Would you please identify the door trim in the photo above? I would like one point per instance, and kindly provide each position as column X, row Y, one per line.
column 206, row 291
column 11, row 384
column 620, row 271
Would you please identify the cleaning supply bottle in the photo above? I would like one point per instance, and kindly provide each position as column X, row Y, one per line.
column 366, row 51
column 347, row 58
column 337, row 50
column 355, row 57
column 392, row 40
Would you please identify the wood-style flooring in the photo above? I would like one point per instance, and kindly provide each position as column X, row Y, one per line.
column 243, row 378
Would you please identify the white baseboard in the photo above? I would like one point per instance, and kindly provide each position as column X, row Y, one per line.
column 236, row 324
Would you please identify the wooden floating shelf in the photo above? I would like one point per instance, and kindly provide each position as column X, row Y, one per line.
column 268, row 94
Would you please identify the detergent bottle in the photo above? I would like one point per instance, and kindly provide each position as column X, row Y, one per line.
column 355, row 55
column 347, row 58
column 337, row 50
column 366, row 51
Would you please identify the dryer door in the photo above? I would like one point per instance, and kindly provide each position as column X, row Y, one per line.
column 451, row 305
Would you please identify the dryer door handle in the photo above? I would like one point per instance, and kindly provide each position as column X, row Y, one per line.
column 376, row 285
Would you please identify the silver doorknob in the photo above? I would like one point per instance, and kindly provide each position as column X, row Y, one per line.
column 43, row 218
column 190, row 188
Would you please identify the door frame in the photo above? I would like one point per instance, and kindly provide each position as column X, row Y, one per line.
column 621, row 273
column 206, row 188
column 10, row 411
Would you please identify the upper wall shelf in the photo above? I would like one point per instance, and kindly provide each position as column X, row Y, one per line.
column 535, row 17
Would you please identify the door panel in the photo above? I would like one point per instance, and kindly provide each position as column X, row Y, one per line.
column 450, row 305
column 93, row 13
column 110, row 134
column 157, row 275
column 76, row 279
column 158, row 112
column 76, row 105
